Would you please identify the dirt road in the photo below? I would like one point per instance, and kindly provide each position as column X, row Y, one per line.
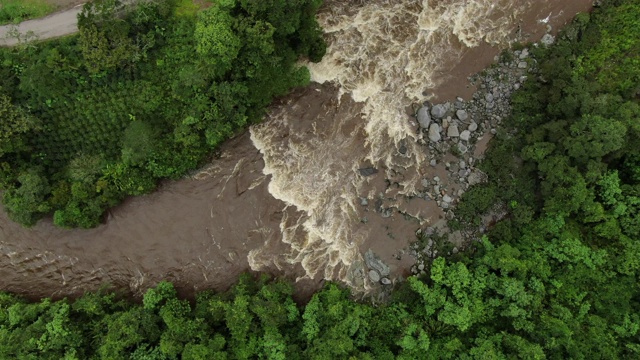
column 55, row 25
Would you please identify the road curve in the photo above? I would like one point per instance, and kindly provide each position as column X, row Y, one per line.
column 53, row 26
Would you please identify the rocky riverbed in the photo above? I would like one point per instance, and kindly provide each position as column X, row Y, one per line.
column 455, row 135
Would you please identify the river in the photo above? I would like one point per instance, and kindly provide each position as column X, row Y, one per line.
column 286, row 196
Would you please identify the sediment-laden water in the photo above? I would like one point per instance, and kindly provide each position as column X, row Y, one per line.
column 297, row 195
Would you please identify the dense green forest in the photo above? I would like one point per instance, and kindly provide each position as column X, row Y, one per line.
column 143, row 93
column 557, row 279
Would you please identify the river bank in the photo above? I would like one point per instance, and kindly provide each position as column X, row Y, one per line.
column 286, row 197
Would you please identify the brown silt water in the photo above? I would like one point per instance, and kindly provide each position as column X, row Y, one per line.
column 297, row 195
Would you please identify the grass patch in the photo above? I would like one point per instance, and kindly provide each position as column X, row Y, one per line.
column 15, row 11
column 186, row 8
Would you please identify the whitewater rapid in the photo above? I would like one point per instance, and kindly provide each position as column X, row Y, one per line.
column 383, row 56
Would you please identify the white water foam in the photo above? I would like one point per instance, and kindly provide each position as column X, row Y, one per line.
column 383, row 54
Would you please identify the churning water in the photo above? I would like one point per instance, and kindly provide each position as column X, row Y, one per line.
column 288, row 196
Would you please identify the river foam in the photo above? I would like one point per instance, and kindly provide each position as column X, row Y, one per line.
column 382, row 56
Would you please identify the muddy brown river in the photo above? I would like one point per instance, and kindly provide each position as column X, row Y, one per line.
column 286, row 196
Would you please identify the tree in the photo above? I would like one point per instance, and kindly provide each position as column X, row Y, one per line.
column 216, row 40
column 15, row 125
column 27, row 202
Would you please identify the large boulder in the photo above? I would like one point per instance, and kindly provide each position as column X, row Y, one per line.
column 465, row 135
column 477, row 177
column 424, row 119
column 462, row 115
column 374, row 263
column 548, row 40
column 434, row 132
column 439, row 111
column 368, row 171
column 452, row 131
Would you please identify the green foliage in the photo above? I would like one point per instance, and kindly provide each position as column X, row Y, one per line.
column 616, row 59
column 14, row 11
column 476, row 201
column 559, row 272
column 144, row 92
column 138, row 143
column 15, row 125
column 26, row 202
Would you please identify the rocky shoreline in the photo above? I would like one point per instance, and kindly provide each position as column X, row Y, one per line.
column 456, row 134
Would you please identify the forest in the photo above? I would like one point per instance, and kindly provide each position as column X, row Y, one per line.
column 556, row 279
column 143, row 93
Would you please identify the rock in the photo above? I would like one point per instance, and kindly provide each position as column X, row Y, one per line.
column 434, row 132
column 488, row 97
column 472, row 127
column 374, row 276
column 433, row 162
column 522, row 65
column 373, row 262
column 452, row 131
column 436, row 179
column 445, row 123
column 493, row 131
column 444, row 205
column 379, row 203
column 385, row 281
column 402, row 150
column 465, row 135
column 462, row 149
column 455, row 250
column 447, row 199
column 368, row 171
column 425, row 183
column 436, row 189
column 462, row 115
column 477, row 177
column 438, row 111
column 524, row 54
column 364, row 202
column 516, row 86
column 424, row 119
column 421, row 267
column 450, row 215
column 462, row 164
column 548, row 40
